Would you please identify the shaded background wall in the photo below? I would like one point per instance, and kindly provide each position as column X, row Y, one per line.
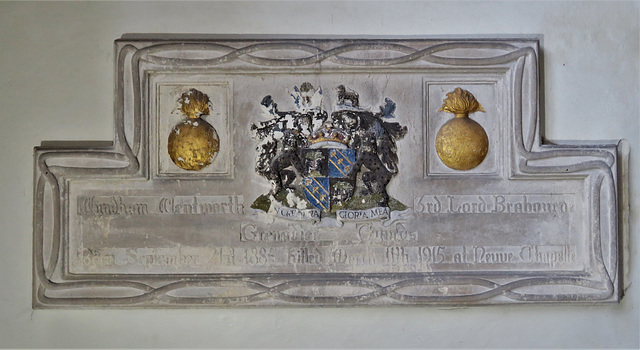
column 56, row 83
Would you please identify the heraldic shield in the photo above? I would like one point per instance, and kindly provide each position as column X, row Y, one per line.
column 330, row 175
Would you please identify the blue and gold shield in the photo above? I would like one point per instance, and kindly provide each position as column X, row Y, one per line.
column 329, row 176
column 317, row 191
column 341, row 162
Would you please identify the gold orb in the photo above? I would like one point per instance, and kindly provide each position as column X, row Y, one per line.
column 461, row 143
column 193, row 144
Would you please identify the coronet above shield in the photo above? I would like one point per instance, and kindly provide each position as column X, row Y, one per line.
column 343, row 162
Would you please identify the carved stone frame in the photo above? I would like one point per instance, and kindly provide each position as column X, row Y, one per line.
column 514, row 63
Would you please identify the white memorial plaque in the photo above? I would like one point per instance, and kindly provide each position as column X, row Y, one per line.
column 283, row 172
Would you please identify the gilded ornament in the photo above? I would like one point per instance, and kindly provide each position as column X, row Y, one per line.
column 461, row 143
column 193, row 143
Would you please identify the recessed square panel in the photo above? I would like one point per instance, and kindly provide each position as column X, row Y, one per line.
column 490, row 121
column 166, row 119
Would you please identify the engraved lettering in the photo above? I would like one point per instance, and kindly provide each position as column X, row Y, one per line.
column 432, row 255
column 495, row 204
column 524, row 204
column 306, row 255
column 396, row 255
column 110, row 206
column 461, row 257
column 547, row 255
column 482, row 255
column 96, row 258
column 157, row 257
column 201, row 205
column 339, row 256
column 370, row 233
column 293, row 233
column 425, row 205
column 259, row 256
column 467, row 207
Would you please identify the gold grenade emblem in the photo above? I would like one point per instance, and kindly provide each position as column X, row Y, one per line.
column 461, row 143
column 193, row 143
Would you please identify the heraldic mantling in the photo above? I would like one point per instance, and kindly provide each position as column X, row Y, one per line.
column 327, row 164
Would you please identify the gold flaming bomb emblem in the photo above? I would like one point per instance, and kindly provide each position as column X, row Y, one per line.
column 461, row 143
column 193, row 143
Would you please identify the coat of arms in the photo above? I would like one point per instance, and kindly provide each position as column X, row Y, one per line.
column 323, row 164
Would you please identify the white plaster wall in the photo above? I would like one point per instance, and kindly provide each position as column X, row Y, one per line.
column 56, row 83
